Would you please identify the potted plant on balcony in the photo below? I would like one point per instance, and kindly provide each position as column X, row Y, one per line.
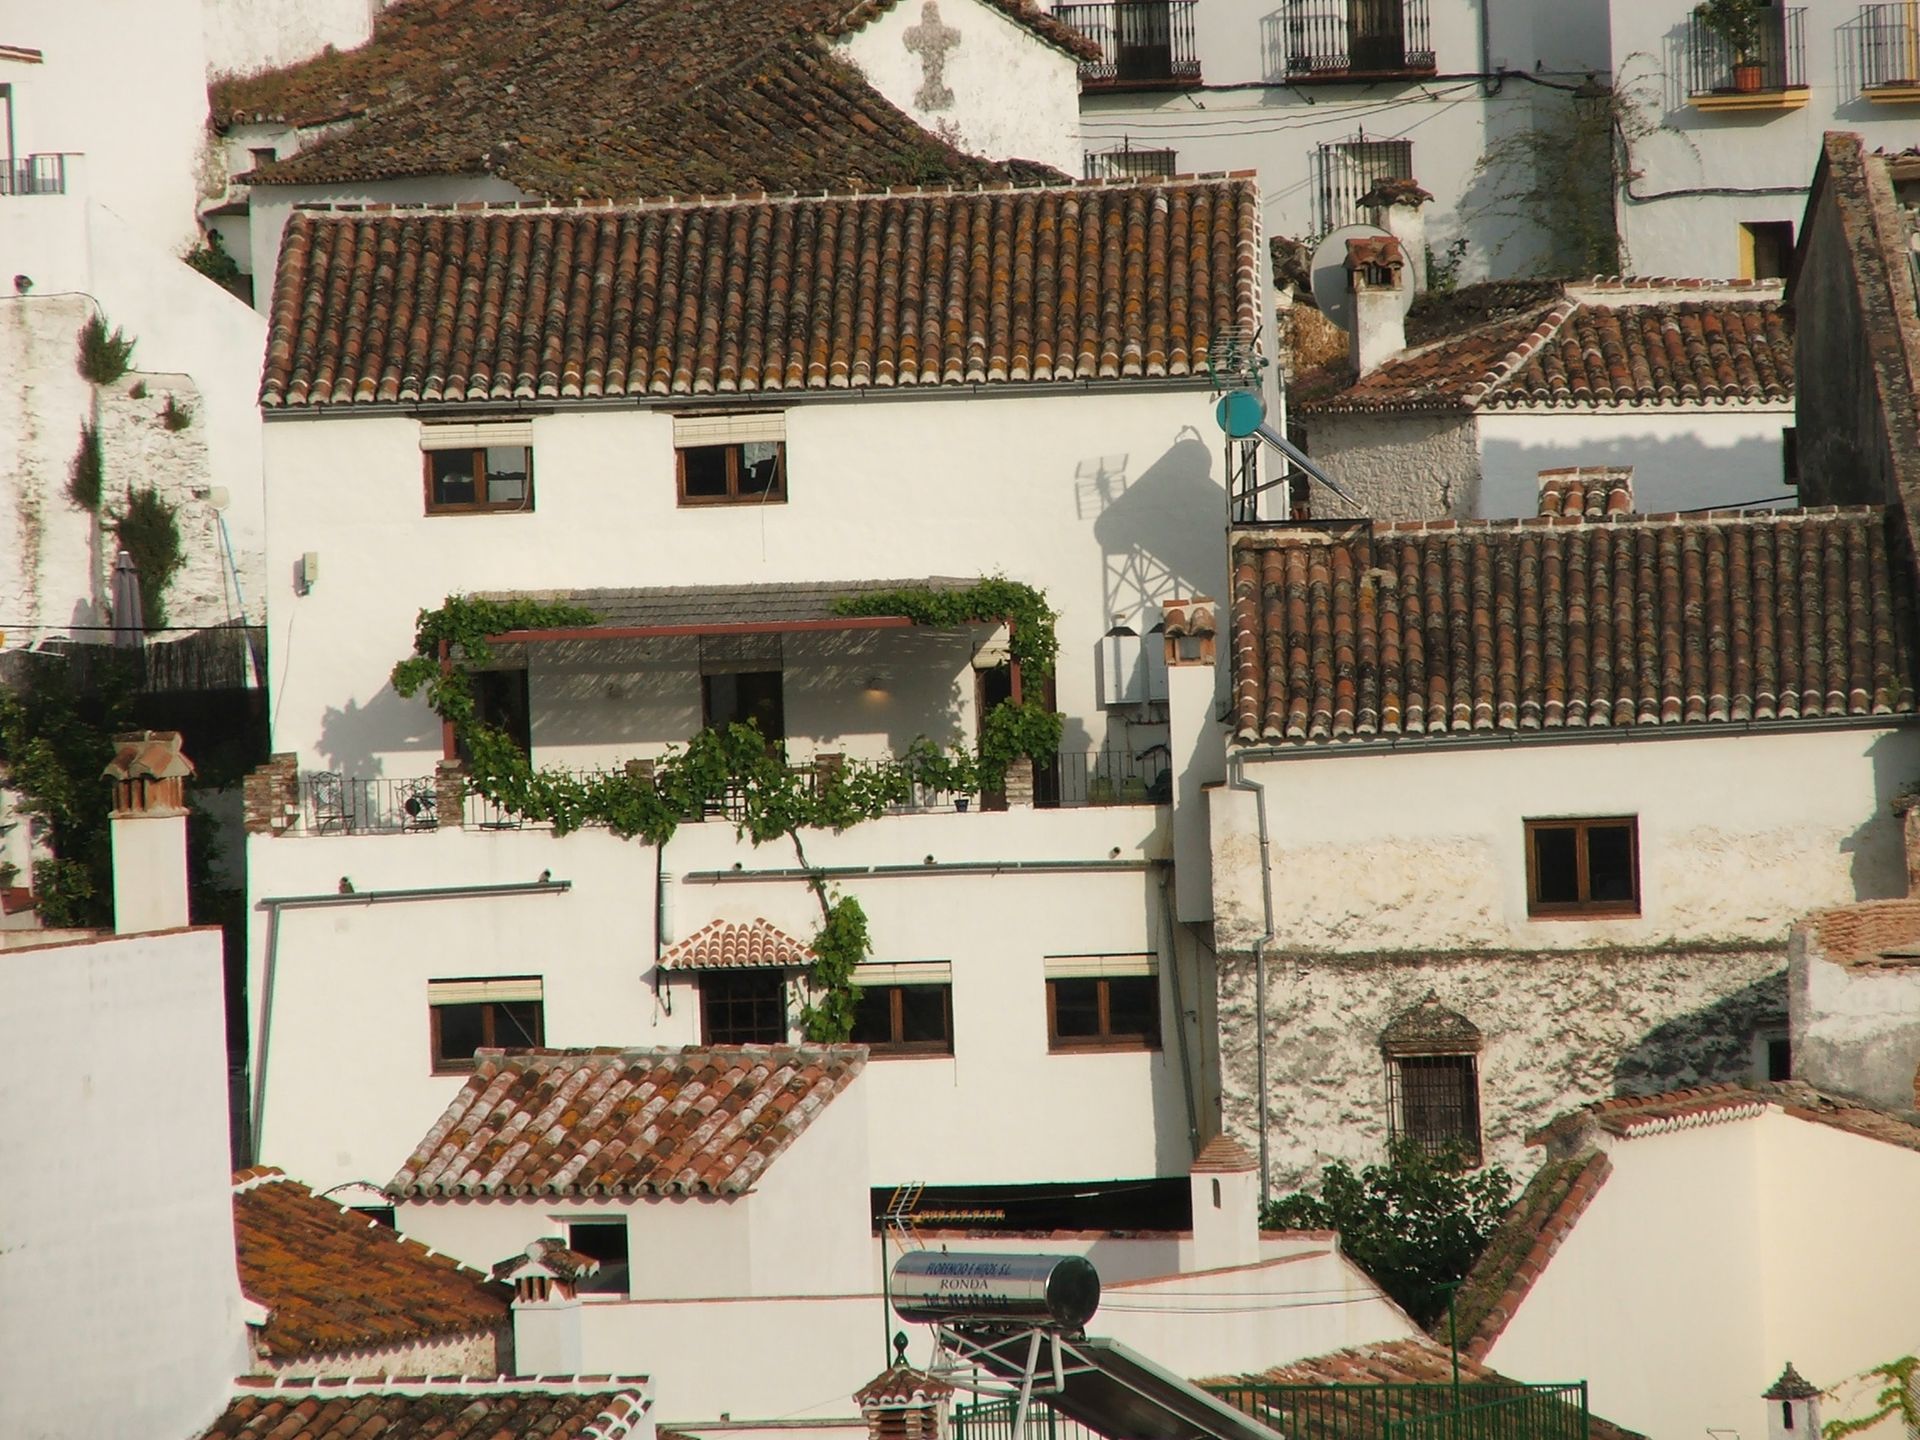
column 1737, row 22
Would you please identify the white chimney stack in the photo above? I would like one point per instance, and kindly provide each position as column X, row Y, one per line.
column 546, row 1306
column 1376, row 265
column 1793, row 1407
column 1225, row 1179
column 1395, row 205
column 149, row 826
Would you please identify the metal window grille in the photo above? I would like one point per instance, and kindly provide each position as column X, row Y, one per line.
column 1127, row 163
column 1778, row 54
column 1330, row 39
column 1889, row 45
column 35, row 175
column 743, row 1007
column 1344, row 170
column 1434, row 1101
column 1142, row 42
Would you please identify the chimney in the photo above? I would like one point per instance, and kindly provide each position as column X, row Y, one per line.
column 1226, row 1206
column 1375, row 268
column 1587, row 492
column 1793, row 1407
column 1196, row 747
column 903, row 1403
column 546, row 1306
column 149, row 823
column 1394, row 204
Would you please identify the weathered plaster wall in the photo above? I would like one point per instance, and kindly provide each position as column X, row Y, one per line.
column 1000, row 91
column 243, row 36
column 1855, row 1028
column 1398, row 467
column 1560, row 1030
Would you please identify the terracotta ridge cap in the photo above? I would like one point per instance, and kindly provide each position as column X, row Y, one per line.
column 321, row 1385
column 1327, row 531
column 1546, row 325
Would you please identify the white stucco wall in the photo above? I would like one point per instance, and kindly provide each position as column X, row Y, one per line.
column 1680, row 1314
column 1856, row 1028
column 1113, row 504
column 118, row 1259
column 1682, row 459
column 1769, row 154
column 1442, row 866
column 244, row 36
column 123, row 84
column 1004, row 92
column 1397, row 467
column 939, row 1120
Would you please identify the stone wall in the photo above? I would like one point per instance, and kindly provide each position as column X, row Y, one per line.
column 1560, row 1029
column 1398, row 467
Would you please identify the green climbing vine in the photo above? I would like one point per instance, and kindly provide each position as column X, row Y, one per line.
column 734, row 768
column 1896, row 1397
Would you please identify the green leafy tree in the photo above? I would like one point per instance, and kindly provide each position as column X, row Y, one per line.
column 1415, row 1224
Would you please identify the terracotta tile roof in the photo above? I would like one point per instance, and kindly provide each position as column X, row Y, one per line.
column 901, row 1385
column 552, row 1255
column 1357, row 631
column 1621, row 344
column 565, row 99
column 775, row 602
column 1527, row 1239
column 1587, row 492
column 333, row 1280
column 737, row 945
column 1223, row 1153
column 694, row 1121
column 595, row 1407
column 1056, row 33
column 1873, row 932
column 1416, row 1361
column 1067, row 283
column 1631, row 1117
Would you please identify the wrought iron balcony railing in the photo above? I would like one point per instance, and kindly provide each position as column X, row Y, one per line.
column 1356, row 39
column 1887, row 39
column 34, row 175
column 1774, row 60
column 1144, row 44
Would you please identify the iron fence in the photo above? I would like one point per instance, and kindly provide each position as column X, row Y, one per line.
column 1347, row 39
column 1473, row 1410
column 336, row 804
column 1142, row 42
column 1103, row 777
column 1129, row 162
column 1345, row 170
column 1775, row 59
column 1888, row 41
column 34, row 175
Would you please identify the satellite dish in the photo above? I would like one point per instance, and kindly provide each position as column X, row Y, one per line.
column 1240, row 413
column 1328, row 269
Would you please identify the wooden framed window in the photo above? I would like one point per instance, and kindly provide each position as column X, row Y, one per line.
column 743, row 1007
column 1433, row 1101
column 507, row 1012
column 747, row 472
column 1583, row 868
column 1103, row 1003
column 479, row 479
column 915, row 1019
column 605, row 1240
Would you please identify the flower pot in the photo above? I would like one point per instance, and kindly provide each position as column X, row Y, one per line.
column 1747, row 78
column 960, row 803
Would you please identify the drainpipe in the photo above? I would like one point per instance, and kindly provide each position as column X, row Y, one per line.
column 1179, row 1009
column 1490, row 84
column 1237, row 780
column 274, row 904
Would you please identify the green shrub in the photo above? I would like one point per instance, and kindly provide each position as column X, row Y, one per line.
column 149, row 530
column 175, row 416
column 84, row 475
column 104, row 355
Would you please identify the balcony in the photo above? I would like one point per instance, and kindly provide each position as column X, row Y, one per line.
column 34, row 175
column 1350, row 40
column 1144, row 44
column 1770, row 73
column 1886, row 47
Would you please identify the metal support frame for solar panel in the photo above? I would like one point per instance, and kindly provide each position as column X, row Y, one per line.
column 1102, row 1384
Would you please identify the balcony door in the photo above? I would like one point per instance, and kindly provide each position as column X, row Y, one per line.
column 1143, row 33
column 747, row 697
column 1376, row 35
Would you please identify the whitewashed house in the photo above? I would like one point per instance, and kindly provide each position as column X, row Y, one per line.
column 1686, row 385
column 767, row 408
column 1325, row 98
column 1686, row 1251
column 1717, row 183
column 1507, row 825
column 806, row 96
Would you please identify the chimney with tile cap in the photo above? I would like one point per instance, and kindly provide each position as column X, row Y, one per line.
column 1376, row 265
column 546, row 1306
column 902, row 1403
column 149, row 826
column 1793, row 1407
column 1394, row 204
column 1196, row 746
column 1226, row 1206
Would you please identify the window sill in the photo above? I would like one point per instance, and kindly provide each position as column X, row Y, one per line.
column 1587, row 912
column 1904, row 93
column 1792, row 97
column 1408, row 72
column 1103, row 1047
column 438, row 511
column 902, row 1052
column 738, row 502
